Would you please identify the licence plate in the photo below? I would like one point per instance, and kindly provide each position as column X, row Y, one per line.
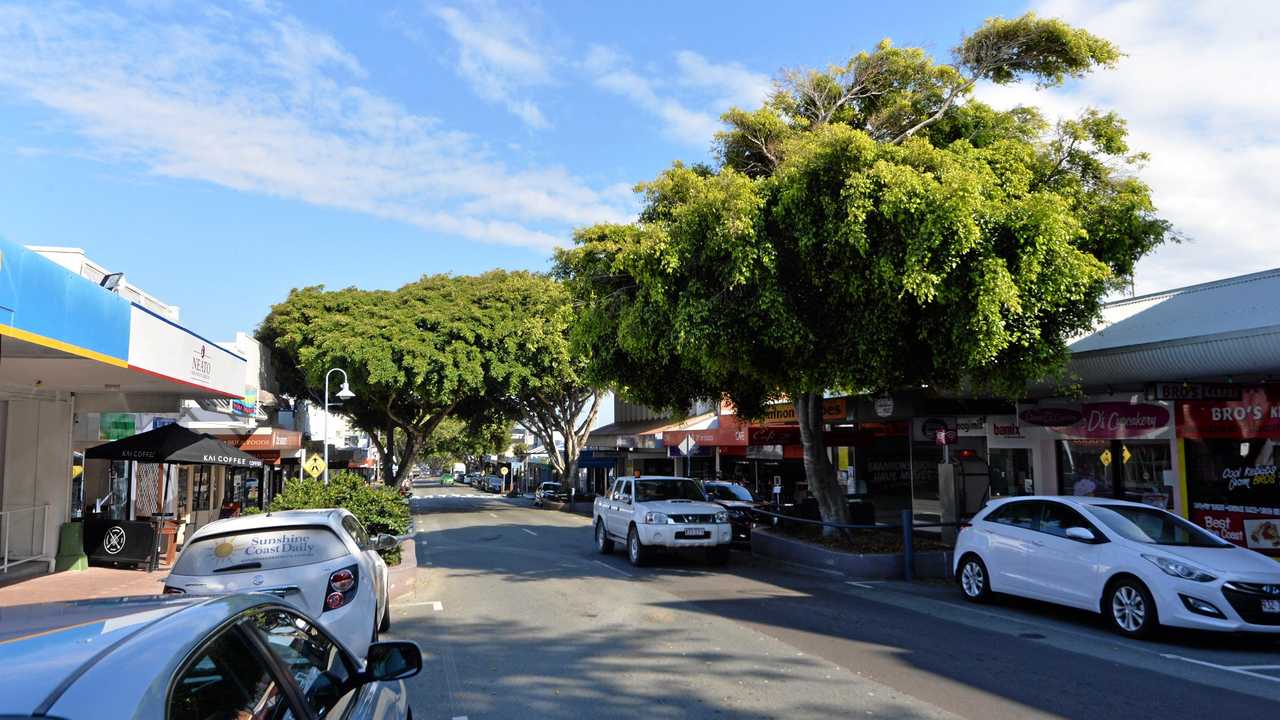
column 702, row 532
column 1271, row 606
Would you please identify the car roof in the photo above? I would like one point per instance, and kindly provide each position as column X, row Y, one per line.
column 1085, row 500
column 662, row 477
column 47, row 646
column 260, row 521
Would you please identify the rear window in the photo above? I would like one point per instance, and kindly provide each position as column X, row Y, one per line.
column 267, row 549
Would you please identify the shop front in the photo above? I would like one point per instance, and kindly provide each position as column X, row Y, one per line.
column 1229, row 455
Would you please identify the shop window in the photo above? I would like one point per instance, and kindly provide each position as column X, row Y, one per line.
column 201, row 488
column 1233, row 490
column 1011, row 472
column 1084, row 467
column 77, row 485
column 1126, row 469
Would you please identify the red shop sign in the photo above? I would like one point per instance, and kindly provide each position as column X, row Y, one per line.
column 1101, row 420
column 1255, row 415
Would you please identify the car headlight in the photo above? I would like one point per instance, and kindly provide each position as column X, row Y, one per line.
column 722, row 517
column 1178, row 568
column 656, row 518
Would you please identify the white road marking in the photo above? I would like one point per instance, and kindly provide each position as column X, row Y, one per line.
column 1242, row 670
column 863, row 585
column 406, row 595
column 493, row 515
column 530, row 532
column 459, row 717
column 602, row 563
column 436, row 605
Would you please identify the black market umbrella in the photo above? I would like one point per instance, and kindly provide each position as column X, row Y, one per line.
column 174, row 444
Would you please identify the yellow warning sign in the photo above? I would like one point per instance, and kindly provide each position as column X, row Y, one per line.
column 1126, row 454
column 314, row 466
column 1105, row 457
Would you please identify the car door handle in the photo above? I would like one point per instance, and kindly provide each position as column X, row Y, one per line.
column 1037, row 543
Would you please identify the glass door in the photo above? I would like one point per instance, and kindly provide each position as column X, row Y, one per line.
column 1011, row 472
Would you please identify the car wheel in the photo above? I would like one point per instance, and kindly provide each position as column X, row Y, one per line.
column 637, row 553
column 975, row 581
column 604, row 544
column 718, row 555
column 1129, row 608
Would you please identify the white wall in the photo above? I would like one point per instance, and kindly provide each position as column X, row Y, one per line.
column 37, row 468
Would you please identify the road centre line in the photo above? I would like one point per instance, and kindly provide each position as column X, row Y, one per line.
column 863, row 585
column 1242, row 670
column 602, row 563
column 493, row 515
column 530, row 532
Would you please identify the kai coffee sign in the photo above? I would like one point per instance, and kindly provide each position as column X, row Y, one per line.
column 162, row 348
column 1101, row 420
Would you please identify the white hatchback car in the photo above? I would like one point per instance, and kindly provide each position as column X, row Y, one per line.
column 321, row 561
column 1139, row 566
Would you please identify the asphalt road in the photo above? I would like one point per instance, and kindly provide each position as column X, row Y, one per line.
column 518, row 617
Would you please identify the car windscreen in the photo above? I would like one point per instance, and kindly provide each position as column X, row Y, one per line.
column 1154, row 526
column 720, row 491
column 264, row 549
column 553, row 487
column 651, row 490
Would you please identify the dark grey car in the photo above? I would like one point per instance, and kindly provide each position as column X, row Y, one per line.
column 164, row 657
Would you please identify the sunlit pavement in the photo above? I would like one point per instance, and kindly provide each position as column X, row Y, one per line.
column 518, row 617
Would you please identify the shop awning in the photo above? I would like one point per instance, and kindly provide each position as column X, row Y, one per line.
column 174, row 444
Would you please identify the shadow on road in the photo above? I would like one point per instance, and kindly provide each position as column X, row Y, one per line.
column 513, row 668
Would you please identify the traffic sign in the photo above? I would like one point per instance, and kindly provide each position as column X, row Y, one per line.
column 314, row 466
column 504, row 470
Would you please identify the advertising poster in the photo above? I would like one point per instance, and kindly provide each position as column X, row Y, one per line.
column 1231, row 459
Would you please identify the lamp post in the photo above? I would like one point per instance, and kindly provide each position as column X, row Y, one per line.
column 344, row 393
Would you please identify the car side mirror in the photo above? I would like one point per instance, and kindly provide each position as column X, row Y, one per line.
column 385, row 542
column 392, row 661
column 1081, row 534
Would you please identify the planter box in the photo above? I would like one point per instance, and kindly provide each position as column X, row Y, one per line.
column 764, row 543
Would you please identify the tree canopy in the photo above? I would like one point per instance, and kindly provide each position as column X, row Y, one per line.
column 436, row 348
column 872, row 227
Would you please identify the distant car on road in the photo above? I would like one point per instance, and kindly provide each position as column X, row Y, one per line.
column 1137, row 565
column 552, row 491
column 238, row 656
column 670, row 513
column 492, row 483
column 322, row 561
column 737, row 501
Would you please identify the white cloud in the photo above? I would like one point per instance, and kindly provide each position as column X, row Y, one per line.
column 728, row 85
column 497, row 55
column 1197, row 87
column 267, row 105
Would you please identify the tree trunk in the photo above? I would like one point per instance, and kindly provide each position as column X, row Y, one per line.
column 388, row 456
column 818, row 470
column 406, row 459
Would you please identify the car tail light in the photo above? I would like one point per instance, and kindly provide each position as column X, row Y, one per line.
column 341, row 588
column 171, row 590
column 342, row 580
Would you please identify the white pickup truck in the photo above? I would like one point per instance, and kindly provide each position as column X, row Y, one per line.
column 670, row 513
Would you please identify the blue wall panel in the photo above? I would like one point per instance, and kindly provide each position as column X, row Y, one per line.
column 41, row 297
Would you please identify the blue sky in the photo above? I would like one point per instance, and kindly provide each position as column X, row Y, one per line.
column 222, row 153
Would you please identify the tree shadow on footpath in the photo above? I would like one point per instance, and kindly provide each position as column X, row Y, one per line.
column 1032, row 676
column 513, row 669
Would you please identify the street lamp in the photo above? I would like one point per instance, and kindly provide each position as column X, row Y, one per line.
column 343, row 394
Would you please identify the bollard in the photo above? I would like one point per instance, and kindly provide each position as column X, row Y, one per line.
column 908, row 551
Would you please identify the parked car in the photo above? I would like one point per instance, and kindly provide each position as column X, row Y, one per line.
column 227, row 657
column 1139, row 566
column 322, row 561
column 738, row 502
column 671, row 513
column 492, row 483
column 552, row 491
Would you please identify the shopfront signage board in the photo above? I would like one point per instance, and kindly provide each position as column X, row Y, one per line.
column 1194, row 391
column 884, row 406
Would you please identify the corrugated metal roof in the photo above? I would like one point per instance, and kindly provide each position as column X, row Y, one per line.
column 1224, row 328
column 1243, row 303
